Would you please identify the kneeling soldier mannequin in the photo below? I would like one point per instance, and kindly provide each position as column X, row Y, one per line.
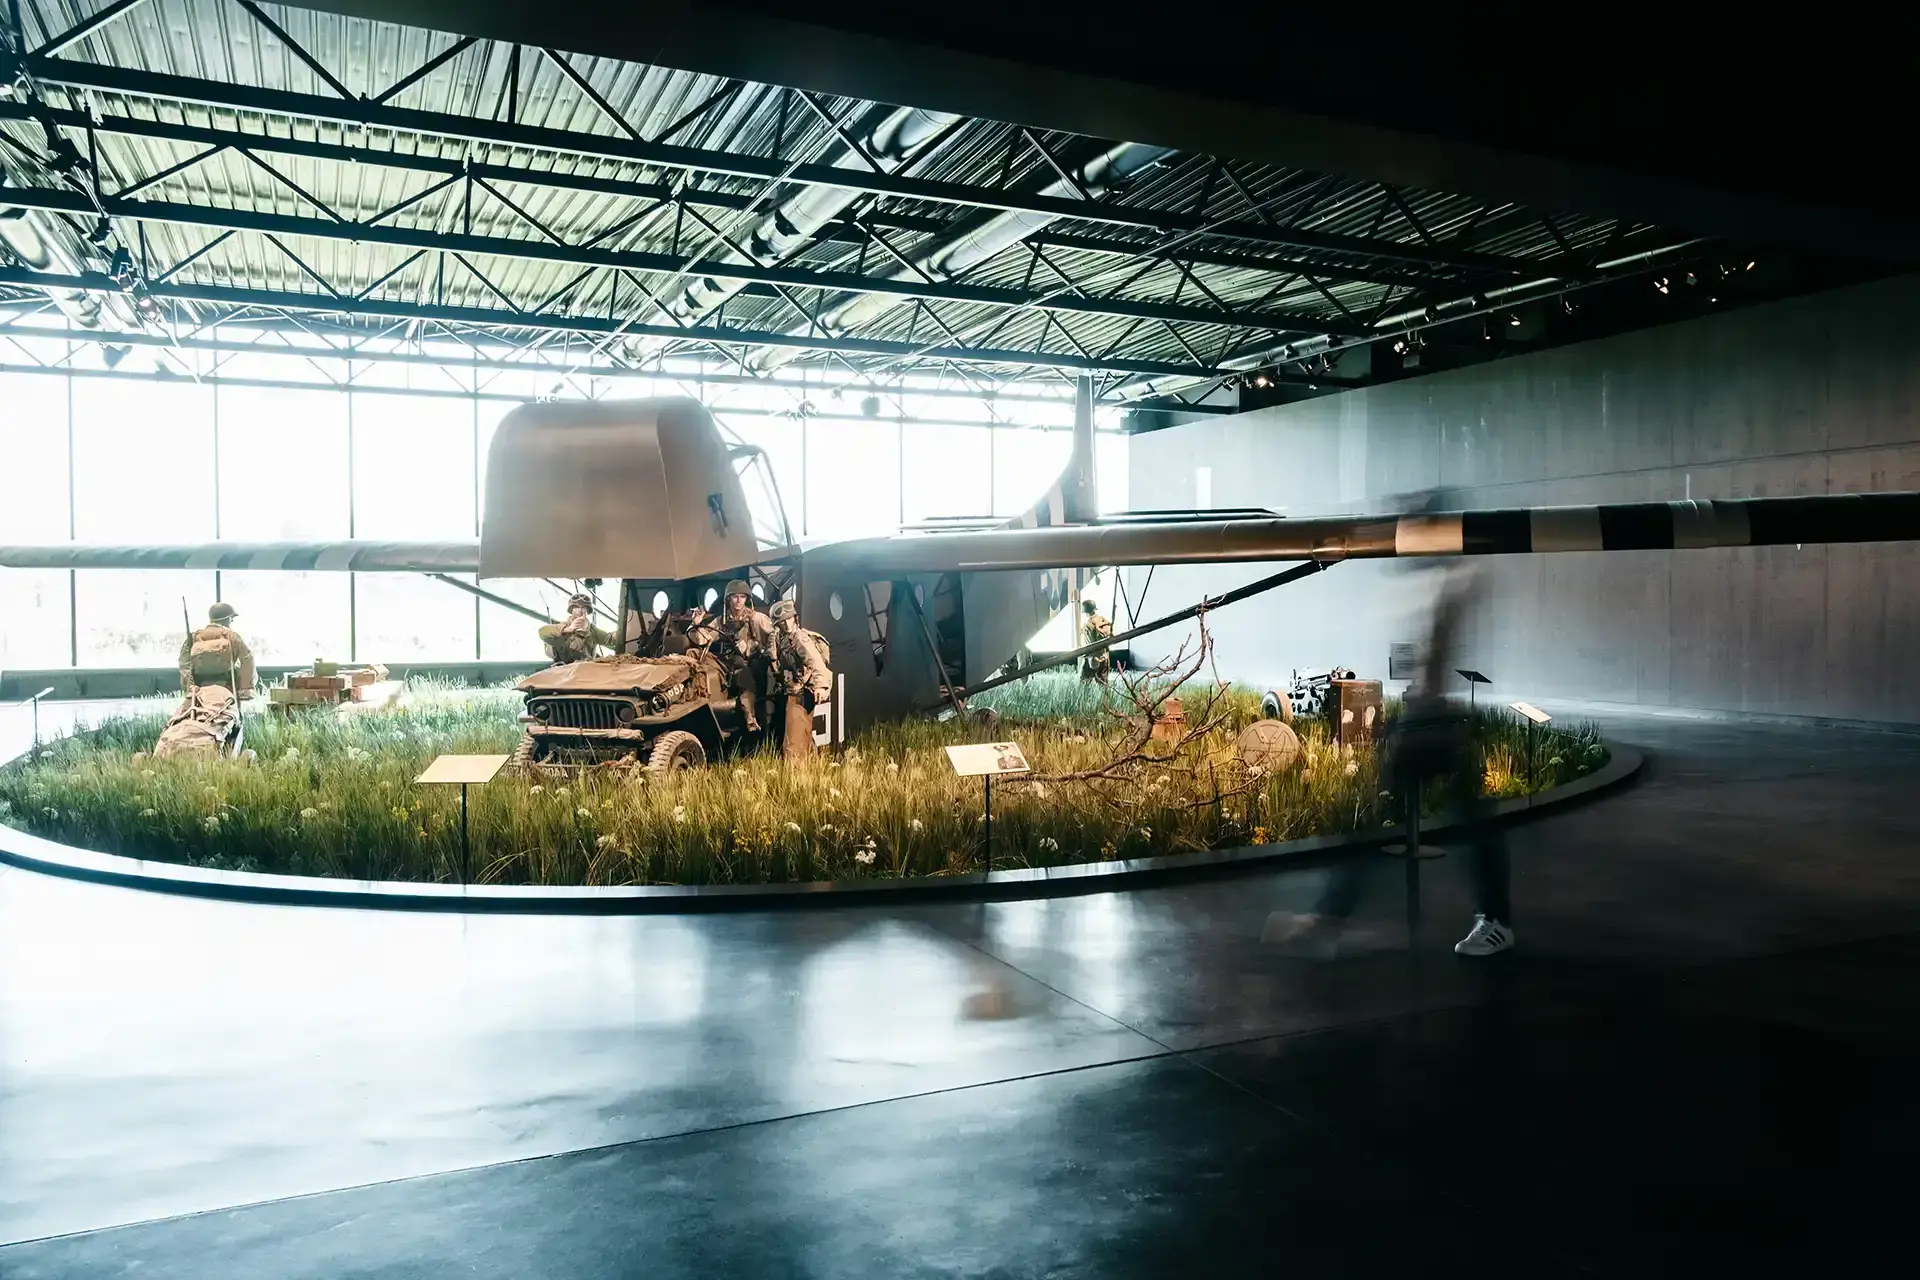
column 215, row 654
column 802, row 679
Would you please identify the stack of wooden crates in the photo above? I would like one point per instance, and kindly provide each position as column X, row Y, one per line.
column 332, row 684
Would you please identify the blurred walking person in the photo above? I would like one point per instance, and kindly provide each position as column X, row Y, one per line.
column 1431, row 741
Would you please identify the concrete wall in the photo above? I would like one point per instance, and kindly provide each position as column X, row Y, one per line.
column 1813, row 395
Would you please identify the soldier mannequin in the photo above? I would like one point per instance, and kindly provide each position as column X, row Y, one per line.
column 1095, row 666
column 744, row 644
column 215, row 654
column 803, row 681
column 578, row 638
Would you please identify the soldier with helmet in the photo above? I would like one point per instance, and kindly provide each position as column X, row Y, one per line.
column 578, row 638
column 742, row 639
column 802, row 679
column 1099, row 664
column 216, row 655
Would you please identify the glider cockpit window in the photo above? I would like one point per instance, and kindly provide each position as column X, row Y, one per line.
column 770, row 526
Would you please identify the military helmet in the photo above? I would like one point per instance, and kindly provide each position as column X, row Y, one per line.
column 222, row 612
column 736, row 588
column 580, row 601
column 783, row 609
column 1087, row 606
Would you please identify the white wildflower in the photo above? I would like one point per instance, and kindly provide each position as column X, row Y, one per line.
column 1040, row 790
column 794, row 828
column 355, row 753
column 866, row 853
column 309, row 814
column 1353, row 767
column 51, row 812
column 826, row 828
column 604, row 842
column 1049, row 845
column 149, row 813
column 583, row 812
column 148, row 773
column 1146, row 833
column 916, row 825
column 833, row 764
column 326, row 804
column 680, row 813
column 834, row 792
column 893, row 766
column 291, row 754
column 535, row 789
column 212, row 822
column 399, row 735
column 560, row 791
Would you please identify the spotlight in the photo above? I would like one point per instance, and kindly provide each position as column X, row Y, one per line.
column 870, row 406
column 1749, row 266
column 1569, row 306
column 114, row 355
column 1400, row 347
column 1690, row 278
column 1261, row 380
column 1661, row 284
column 1513, row 319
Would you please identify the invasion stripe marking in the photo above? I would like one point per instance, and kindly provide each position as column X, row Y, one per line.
column 1438, row 535
column 1636, row 526
column 1708, row 524
column 1565, row 528
column 1496, row 533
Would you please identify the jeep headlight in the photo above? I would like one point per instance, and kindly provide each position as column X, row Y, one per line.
column 624, row 713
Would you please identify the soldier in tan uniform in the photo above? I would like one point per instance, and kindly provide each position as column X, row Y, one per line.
column 579, row 637
column 1095, row 666
column 802, row 680
column 215, row 654
column 743, row 642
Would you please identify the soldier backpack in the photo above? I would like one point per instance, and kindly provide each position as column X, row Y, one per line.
column 211, row 657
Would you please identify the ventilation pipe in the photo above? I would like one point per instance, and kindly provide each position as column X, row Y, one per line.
column 896, row 136
column 951, row 257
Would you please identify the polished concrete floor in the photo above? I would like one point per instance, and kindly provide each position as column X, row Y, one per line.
column 1705, row 1059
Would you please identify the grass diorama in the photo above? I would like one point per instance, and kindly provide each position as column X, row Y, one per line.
column 333, row 795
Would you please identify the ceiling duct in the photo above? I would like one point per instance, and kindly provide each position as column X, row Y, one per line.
column 982, row 238
column 894, row 137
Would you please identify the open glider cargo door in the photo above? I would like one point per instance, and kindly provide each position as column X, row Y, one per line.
column 613, row 489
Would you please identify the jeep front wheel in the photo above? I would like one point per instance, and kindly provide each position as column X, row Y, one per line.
column 675, row 751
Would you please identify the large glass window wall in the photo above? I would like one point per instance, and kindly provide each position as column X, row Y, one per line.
column 131, row 455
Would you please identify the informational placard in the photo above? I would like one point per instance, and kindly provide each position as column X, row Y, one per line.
column 1471, row 676
column 1531, row 712
column 463, row 769
column 1403, row 661
column 989, row 759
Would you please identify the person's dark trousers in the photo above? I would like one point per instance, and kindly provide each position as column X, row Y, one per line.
column 1486, row 845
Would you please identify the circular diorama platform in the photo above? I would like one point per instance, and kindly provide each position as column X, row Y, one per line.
column 20, row 849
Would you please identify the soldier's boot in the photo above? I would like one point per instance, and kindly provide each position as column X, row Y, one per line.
column 745, row 703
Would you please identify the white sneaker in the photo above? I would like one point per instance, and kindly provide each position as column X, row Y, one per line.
column 1487, row 937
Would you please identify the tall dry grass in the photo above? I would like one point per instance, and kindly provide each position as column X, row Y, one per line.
column 334, row 796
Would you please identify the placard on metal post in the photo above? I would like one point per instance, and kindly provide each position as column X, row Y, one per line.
column 465, row 770
column 1534, row 717
column 988, row 760
column 1474, row 680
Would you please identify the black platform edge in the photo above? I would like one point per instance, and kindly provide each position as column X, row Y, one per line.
column 32, row 853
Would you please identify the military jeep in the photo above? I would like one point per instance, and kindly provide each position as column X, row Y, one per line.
column 655, row 714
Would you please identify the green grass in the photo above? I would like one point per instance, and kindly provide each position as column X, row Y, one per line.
column 333, row 796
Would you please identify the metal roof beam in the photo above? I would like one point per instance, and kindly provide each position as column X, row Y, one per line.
column 380, row 308
column 453, row 167
column 84, row 75
column 65, row 201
